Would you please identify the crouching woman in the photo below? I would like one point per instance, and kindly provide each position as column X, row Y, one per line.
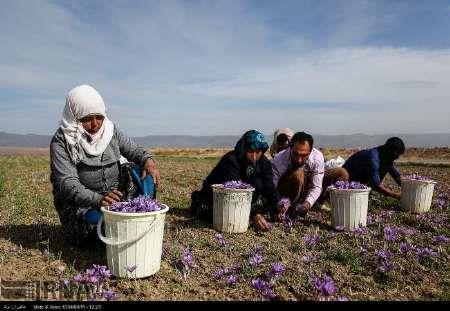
column 86, row 171
column 246, row 163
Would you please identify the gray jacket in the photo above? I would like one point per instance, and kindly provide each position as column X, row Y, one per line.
column 83, row 184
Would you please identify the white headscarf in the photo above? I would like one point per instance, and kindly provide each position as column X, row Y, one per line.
column 82, row 101
column 287, row 131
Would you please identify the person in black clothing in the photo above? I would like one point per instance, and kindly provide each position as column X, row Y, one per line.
column 247, row 163
column 370, row 166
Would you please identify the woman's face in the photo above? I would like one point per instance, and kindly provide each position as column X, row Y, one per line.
column 253, row 155
column 92, row 123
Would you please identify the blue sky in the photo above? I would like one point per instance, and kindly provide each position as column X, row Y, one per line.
column 223, row 67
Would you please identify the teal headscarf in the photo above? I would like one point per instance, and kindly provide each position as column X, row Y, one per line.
column 251, row 140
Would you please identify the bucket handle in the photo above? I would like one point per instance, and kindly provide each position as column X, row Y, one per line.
column 110, row 242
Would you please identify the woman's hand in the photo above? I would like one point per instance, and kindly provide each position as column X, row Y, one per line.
column 111, row 197
column 261, row 223
column 150, row 168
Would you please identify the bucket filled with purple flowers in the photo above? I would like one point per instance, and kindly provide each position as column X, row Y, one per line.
column 134, row 234
column 232, row 201
column 349, row 204
column 417, row 193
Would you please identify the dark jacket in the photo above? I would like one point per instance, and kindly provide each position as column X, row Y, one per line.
column 369, row 167
column 229, row 168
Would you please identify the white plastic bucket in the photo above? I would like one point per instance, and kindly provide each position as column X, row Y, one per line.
column 133, row 240
column 417, row 195
column 231, row 209
column 349, row 208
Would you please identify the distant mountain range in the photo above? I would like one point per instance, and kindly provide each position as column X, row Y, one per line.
column 185, row 141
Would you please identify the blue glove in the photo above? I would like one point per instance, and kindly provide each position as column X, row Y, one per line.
column 146, row 186
column 92, row 216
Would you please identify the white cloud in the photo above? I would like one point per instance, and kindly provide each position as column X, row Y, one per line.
column 166, row 67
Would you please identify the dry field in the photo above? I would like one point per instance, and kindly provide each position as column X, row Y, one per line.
column 31, row 247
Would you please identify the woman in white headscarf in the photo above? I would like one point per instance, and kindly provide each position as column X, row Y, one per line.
column 281, row 140
column 86, row 173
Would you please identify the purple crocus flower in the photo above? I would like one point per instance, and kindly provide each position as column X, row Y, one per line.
column 311, row 240
column 384, row 254
column 66, row 283
column 284, row 203
column 276, row 270
column 236, row 184
column 405, row 247
column 78, row 278
column 343, row 185
column 109, row 295
column 385, row 257
column 93, row 279
column 440, row 239
column 287, row 223
column 187, row 259
column 325, row 286
column 91, row 272
column 386, row 266
column 218, row 273
column 232, row 280
column 263, row 287
column 416, row 176
column 424, row 252
column 390, row 234
column 256, row 259
column 386, row 215
column 442, row 200
column 219, row 239
column 141, row 204
column 361, row 230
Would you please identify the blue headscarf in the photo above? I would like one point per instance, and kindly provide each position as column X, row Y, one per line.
column 251, row 140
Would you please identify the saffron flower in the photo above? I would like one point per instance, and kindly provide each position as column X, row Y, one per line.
column 236, row 184
column 109, row 295
column 141, row 204
column 325, row 286
column 416, row 176
column 78, row 278
column 287, row 224
column 284, row 203
column 344, row 185
column 232, row 280
column 263, row 288
column 276, row 270
column 256, row 259
column 440, row 239
column 219, row 239
column 188, row 259
column 361, row 230
column 311, row 240
column 385, row 257
column 424, row 252
column 390, row 234
column 405, row 247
